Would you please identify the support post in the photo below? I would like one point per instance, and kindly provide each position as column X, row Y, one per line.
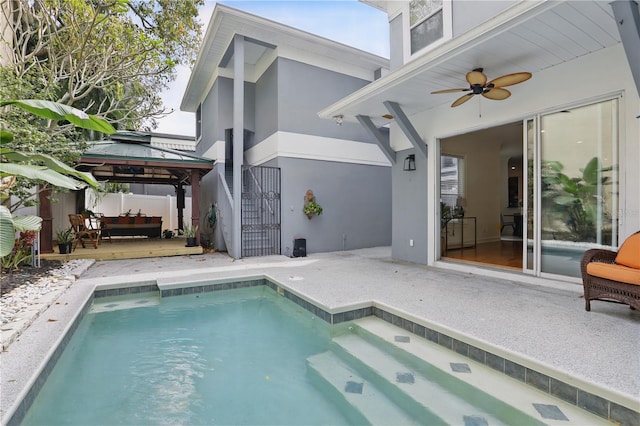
column 406, row 127
column 238, row 143
column 45, row 212
column 180, row 204
column 383, row 139
column 195, row 202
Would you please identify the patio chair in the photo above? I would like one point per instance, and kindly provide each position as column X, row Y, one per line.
column 96, row 221
column 613, row 276
column 82, row 232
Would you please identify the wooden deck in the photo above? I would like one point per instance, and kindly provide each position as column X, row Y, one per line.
column 127, row 248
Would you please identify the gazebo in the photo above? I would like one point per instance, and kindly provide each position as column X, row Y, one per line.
column 129, row 157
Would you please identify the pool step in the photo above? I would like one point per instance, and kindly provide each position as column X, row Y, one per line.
column 368, row 403
column 511, row 400
column 417, row 394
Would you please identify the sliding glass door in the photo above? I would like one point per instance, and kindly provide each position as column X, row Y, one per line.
column 572, row 186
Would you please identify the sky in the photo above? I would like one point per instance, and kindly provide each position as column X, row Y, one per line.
column 345, row 21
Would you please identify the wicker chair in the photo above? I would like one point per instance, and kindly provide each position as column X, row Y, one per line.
column 613, row 276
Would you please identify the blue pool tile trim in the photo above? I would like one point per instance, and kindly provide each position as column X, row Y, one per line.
column 125, row 291
column 475, row 421
column 551, row 412
column 460, row 367
column 354, row 387
column 405, row 377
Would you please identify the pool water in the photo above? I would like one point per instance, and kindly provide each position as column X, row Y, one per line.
column 252, row 357
column 231, row 357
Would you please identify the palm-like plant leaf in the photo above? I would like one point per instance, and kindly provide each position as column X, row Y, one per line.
column 40, row 173
column 56, row 111
column 51, row 163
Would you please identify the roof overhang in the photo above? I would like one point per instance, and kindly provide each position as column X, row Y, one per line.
column 529, row 36
column 266, row 39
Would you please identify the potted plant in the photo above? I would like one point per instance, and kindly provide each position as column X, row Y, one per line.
column 190, row 233
column 167, row 233
column 64, row 238
column 311, row 206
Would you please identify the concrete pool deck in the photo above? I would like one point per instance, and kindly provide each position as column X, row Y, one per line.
column 543, row 324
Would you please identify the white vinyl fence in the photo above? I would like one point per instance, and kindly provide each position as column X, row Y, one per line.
column 149, row 205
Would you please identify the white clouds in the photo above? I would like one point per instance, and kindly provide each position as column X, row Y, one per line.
column 349, row 22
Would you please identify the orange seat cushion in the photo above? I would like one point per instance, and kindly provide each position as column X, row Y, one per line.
column 629, row 253
column 614, row 272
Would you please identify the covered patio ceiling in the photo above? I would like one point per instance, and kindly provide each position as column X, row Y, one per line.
column 530, row 36
column 129, row 157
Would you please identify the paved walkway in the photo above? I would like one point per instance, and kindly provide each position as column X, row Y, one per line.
column 547, row 325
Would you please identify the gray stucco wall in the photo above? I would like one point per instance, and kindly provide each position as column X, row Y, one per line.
column 266, row 104
column 409, row 198
column 356, row 202
column 303, row 90
column 217, row 112
column 396, row 57
column 209, row 195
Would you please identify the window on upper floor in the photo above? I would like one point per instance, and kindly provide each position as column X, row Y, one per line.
column 426, row 23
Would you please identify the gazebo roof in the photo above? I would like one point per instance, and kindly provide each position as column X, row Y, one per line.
column 130, row 157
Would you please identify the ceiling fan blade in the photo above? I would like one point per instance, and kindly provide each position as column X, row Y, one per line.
column 497, row 94
column 511, row 79
column 462, row 100
column 437, row 92
column 476, row 77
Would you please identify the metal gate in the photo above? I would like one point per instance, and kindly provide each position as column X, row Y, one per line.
column 260, row 211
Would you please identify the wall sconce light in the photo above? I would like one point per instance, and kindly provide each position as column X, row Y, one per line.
column 409, row 163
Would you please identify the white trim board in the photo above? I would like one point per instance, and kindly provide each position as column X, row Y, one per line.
column 310, row 147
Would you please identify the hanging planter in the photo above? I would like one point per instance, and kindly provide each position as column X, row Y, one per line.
column 311, row 207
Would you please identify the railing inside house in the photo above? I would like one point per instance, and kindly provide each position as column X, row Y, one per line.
column 225, row 211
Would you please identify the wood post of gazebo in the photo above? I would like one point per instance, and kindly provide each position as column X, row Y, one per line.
column 195, row 201
column 180, row 198
column 45, row 212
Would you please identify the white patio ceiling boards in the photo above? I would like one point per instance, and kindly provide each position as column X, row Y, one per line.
column 530, row 36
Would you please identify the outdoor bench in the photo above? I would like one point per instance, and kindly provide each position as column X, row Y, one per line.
column 131, row 226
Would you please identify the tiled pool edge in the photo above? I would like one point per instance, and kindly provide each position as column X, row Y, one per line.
column 595, row 404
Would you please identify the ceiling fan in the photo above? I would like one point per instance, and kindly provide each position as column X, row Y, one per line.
column 492, row 90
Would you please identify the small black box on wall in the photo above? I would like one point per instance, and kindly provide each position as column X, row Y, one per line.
column 299, row 247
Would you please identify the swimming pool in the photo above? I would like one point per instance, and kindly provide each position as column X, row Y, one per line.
column 245, row 356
